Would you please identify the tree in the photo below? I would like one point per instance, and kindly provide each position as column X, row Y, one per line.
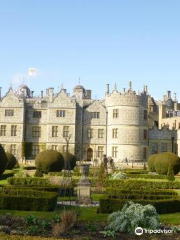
column 3, row 160
column 11, row 161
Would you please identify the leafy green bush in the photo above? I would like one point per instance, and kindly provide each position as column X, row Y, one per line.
column 118, row 175
column 163, row 160
column 71, row 158
column 170, row 174
column 3, row 160
column 133, row 215
column 49, row 161
column 28, row 200
column 151, row 162
column 11, row 161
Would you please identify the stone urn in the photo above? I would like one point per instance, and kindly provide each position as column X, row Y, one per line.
column 84, row 170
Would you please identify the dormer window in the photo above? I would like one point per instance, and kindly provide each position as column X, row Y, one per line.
column 9, row 112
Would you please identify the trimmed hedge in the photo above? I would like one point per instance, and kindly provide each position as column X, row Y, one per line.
column 28, row 200
column 163, row 160
column 62, row 191
column 7, row 174
column 29, row 181
column 135, row 171
column 29, row 167
column 109, row 205
column 135, row 184
column 116, row 192
column 146, row 176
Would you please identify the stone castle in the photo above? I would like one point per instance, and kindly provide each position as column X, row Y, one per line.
column 126, row 126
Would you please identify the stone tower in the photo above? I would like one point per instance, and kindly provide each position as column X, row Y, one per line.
column 127, row 125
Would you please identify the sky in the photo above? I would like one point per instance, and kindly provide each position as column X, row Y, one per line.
column 98, row 41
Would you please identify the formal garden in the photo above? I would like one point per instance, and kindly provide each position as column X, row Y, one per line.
column 45, row 201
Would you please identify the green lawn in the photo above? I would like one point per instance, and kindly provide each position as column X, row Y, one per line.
column 86, row 213
column 171, row 218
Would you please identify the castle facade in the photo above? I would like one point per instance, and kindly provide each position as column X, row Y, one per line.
column 126, row 126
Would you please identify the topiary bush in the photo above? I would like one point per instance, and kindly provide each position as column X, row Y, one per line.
column 133, row 215
column 170, row 174
column 3, row 160
column 71, row 158
column 11, row 161
column 49, row 161
column 163, row 160
column 151, row 162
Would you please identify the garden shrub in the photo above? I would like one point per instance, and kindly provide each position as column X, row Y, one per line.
column 3, row 160
column 146, row 176
column 29, row 181
column 11, row 161
column 28, row 200
column 170, row 174
column 6, row 174
column 63, row 191
column 118, row 175
column 136, row 184
column 163, row 160
column 68, row 220
column 116, row 192
column 71, row 158
column 29, row 167
column 151, row 162
column 135, row 171
column 133, row 215
column 109, row 205
column 49, row 161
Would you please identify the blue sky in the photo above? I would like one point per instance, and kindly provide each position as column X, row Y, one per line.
column 100, row 41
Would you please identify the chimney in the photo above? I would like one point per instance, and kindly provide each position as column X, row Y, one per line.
column 130, row 85
column 164, row 98
column 146, row 88
column 51, row 93
column 169, row 94
column 0, row 92
column 88, row 94
column 107, row 88
column 124, row 90
column 47, row 91
column 32, row 92
column 41, row 94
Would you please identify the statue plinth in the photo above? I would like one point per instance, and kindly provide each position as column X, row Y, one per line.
column 84, row 186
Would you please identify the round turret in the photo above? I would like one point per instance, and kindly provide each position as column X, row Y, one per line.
column 127, row 128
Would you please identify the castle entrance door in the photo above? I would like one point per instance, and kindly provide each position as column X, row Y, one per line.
column 89, row 154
